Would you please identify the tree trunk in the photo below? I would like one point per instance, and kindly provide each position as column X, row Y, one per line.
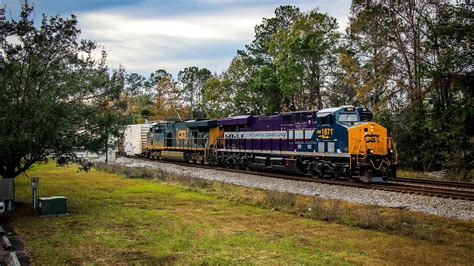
column 107, row 149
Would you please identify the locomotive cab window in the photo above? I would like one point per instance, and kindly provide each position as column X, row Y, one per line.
column 298, row 118
column 366, row 117
column 286, row 119
column 348, row 118
column 325, row 119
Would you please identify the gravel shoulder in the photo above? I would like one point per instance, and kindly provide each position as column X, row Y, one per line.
column 460, row 209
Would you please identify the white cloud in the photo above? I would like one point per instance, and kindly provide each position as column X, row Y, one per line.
column 230, row 26
column 145, row 44
column 206, row 38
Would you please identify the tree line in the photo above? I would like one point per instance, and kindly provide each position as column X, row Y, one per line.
column 410, row 62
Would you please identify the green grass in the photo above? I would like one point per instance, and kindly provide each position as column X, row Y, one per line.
column 114, row 219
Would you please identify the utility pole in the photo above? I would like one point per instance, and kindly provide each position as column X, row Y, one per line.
column 2, row 33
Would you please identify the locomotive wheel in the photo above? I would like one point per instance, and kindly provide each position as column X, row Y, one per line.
column 352, row 179
column 245, row 165
column 317, row 170
column 315, row 174
column 229, row 163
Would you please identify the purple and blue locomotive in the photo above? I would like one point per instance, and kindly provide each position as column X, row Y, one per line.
column 337, row 142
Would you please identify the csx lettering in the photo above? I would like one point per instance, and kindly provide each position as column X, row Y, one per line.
column 182, row 134
column 371, row 138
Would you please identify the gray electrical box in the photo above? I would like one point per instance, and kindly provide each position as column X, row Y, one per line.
column 7, row 190
column 52, row 205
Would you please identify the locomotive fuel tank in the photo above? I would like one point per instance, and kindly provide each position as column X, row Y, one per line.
column 173, row 156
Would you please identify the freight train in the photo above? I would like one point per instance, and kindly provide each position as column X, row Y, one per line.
column 341, row 142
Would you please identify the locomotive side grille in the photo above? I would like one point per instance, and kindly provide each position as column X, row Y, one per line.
column 331, row 146
column 320, row 146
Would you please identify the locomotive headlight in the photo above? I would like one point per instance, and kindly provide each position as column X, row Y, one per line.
column 370, row 153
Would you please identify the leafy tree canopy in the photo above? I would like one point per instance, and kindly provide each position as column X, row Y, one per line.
column 192, row 80
column 55, row 97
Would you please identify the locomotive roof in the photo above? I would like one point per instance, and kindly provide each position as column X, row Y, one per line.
column 329, row 110
column 348, row 108
column 235, row 120
column 201, row 123
column 303, row 111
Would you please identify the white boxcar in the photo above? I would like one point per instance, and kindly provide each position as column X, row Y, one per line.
column 135, row 138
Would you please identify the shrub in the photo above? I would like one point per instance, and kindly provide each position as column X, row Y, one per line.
column 369, row 218
column 280, row 200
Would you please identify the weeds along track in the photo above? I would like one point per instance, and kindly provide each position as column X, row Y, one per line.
column 409, row 187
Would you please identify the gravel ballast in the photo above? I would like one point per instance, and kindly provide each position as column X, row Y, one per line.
column 461, row 209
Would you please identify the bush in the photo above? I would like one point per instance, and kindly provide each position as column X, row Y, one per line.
column 369, row 218
column 280, row 200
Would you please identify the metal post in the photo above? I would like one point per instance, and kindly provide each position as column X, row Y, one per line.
column 7, row 245
column 34, row 187
column 14, row 261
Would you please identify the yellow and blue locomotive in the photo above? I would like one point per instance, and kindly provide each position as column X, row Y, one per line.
column 189, row 141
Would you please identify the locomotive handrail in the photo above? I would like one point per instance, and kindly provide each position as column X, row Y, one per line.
column 358, row 150
column 356, row 141
column 391, row 145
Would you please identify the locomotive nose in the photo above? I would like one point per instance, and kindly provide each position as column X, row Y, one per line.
column 371, row 153
column 368, row 138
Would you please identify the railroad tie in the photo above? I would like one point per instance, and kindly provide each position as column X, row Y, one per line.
column 13, row 260
column 6, row 243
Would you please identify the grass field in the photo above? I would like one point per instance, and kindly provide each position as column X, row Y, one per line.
column 114, row 219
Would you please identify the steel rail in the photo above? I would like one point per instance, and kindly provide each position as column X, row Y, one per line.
column 434, row 182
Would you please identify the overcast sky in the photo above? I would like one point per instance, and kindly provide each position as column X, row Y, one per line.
column 145, row 35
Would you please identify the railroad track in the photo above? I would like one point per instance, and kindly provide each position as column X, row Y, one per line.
column 393, row 187
column 419, row 190
column 435, row 182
